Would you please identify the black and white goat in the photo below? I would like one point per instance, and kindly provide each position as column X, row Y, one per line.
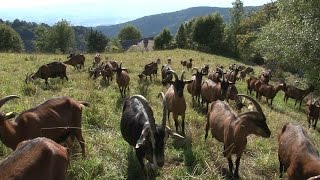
column 139, row 129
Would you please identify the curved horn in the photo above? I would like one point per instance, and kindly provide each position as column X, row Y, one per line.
column 182, row 74
column 7, row 98
column 254, row 102
column 175, row 74
column 195, row 68
column 164, row 110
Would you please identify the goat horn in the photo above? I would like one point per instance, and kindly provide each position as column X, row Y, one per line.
column 175, row 74
column 254, row 102
column 164, row 110
column 7, row 98
column 182, row 74
column 195, row 68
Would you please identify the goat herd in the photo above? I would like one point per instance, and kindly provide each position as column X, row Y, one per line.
column 38, row 131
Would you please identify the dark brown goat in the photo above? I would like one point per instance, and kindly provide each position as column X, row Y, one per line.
column 56, row 119
column 189, row 64
column 270, row 91
column 50, row 70
column 166, row 74
column 216, row 75
column 297, row 153
column 313, row 108
column 232, row 129
column 104, row 69
column 232, row 74
column 251, row 81
column 296, row 93
column 183, row 63
column 77, row 61
column 39, row 158
column 150, row 70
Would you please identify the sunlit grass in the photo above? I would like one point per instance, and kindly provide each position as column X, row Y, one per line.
column 109, row 156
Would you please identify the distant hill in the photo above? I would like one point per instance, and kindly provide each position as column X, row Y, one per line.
column 152, row 25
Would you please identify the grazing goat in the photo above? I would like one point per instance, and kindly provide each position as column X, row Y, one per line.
column 296, row 93
column 56, row 119
column 123, row 79
column 270, row 91
column 77, row 61
column 38, row 158
column 105, row 69
column 194, row 88
column 313, row 108
column 139, row 129
column 149, row 70
column 297, row 153
column 243, row 73
column 189, row 64
column 166, row 74
column 232, row 129
column 50, row 70
column 175, row 100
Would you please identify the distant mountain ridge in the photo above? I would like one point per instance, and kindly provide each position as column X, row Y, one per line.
column 153, row 24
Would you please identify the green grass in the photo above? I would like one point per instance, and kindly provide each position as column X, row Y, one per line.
column 108, row 155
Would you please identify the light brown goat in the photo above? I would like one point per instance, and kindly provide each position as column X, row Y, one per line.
column 243, row 73
column 194, row 88
column 270, row 91
column 39, row 158
column 297, row 153
column 175, row 100
column 313, row 109
column 56, row 119
column 232, row 129
column 123, row 79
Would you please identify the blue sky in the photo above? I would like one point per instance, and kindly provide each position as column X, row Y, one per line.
column 97, row 12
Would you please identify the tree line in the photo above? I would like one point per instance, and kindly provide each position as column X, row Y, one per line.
column 282, row 33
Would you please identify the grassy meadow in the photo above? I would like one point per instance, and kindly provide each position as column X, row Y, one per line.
column 108, row 155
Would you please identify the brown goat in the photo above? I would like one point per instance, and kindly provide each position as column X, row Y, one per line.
column 123, row 79
column 313, row 108
column 232, row 74
column 77, row 61
column 251, row 81
column 243, row 73
column 56, row 119
column 297, row 153
column 175, row 100
column 189, row 64
column 150, row 70
column 270, row 91
column 194, row 88
column 39, row 158
column 296, row 93
column 50, row 70
column 232, row 129
column 216, row 75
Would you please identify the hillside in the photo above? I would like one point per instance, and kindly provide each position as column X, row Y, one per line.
column 108, row 155
column 152, row 25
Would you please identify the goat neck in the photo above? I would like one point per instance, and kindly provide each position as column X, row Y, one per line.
column 8, row 132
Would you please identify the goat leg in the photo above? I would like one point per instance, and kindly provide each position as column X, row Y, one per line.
column 236, row 171
column 309, row 121
column 281, row 167
column 230, row 165
column 183, row 132
column 207, row 129
column 176, row 123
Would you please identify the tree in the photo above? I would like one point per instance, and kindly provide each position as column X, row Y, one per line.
column 129, row 32
column 237, row 13
column 293, row 38
column 97, row 41
column 10, row 40
column 41, row 42
column 181, row 37
column 162, row 40
column 208, row 33
column 61, row 37
column 114, row 46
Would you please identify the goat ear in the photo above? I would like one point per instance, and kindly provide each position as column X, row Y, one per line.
column 142, row 139
column 10, row 115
